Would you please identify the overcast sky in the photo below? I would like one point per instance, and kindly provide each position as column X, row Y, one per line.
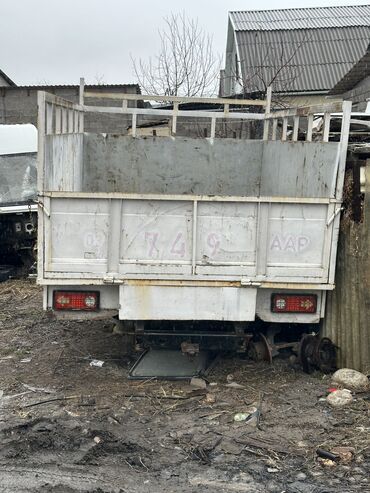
column 57, row 41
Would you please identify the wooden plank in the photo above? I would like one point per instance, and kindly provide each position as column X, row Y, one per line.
column 58, row 119
column 295, row 129
column 82, row 90
column 174, row 118
column 309, row 128
column 51, row 98
column 168, row 113
column 326, row 129
column 49, row 118
column 64, row 120
column 173, row 99
column 133, row 128
column 267, row 112
column 335, row 107
column 285, row 129
column 70, row 128
column 346, row 122
column 213, row 128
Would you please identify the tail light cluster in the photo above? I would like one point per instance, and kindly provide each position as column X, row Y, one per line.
column 76, row 300
column 294, row 303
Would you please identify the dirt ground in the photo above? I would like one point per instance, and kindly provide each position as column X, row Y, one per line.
column 67, row 427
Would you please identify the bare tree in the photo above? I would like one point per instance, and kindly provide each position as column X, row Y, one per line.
column 185, row 65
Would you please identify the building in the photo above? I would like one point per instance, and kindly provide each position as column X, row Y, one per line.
column 5, row 81
column 355, row 85
column 18, row 104
column 303, row 53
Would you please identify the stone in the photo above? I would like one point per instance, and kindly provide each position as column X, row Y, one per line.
column 301, row 476
column 339, row 398
column 351, row 379
column 345, row 454
column 199, row 383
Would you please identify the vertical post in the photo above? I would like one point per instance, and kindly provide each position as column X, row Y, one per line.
column 309, row 127
column 174, row 117
column 267, row 113
column 40, row 180
column 285, row 128
column 344, row 135
column 342, row 159
column 213, row 128
column 133, row 127
column 70, row 121
column 295, row 128
column 325, row 134
column 58, row 119
column 49, row 118
column 82, row 89
column 41, row 127
column 194, row 247
column 64, row 120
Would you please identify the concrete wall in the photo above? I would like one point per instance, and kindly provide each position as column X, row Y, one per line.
column 19, row 105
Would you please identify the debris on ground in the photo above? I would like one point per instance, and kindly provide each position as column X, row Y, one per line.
column 198, row 382
column 234, row 385
column 66, row 428
column 345, row 454
column 96, row 362
column 351, row 379
column 339, row 398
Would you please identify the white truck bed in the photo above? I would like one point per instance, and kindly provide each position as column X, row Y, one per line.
column 182, row 228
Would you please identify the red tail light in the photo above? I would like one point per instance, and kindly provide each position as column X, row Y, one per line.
column 76, row 300
column 294, row 303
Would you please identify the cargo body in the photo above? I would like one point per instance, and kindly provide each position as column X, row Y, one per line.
column 181, row 228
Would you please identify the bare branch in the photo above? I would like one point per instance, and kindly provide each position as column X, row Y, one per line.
column 185, row 65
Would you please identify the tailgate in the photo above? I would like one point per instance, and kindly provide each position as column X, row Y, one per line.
column 263, row 239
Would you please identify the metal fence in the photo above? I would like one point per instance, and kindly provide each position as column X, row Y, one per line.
column 347, row 320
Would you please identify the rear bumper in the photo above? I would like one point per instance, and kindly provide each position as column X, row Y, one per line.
column 151, row 301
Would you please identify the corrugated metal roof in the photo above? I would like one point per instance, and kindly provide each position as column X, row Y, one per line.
column 299, row 60
column 357, row 73
column 302, row 18
column 7, row 79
